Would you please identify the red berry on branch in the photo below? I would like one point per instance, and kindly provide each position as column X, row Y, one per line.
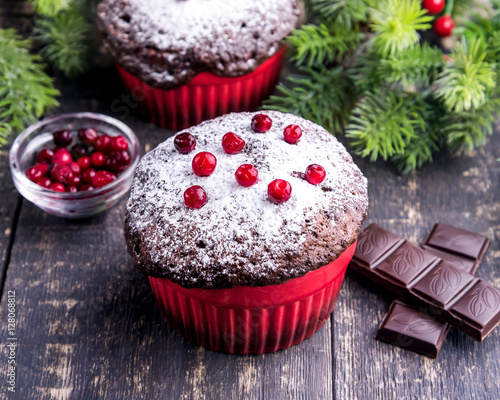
column 279, row 191
column 195, row 197
column 246, row 175
column 204, row 163
column 185, row 143
column 433, row 6
column 261, row 123
column 232, row 143
column 444, row 25
column 315, row 174
column 292, row 134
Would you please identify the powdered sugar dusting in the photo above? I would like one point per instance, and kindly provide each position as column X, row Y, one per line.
column 239, row 229
column 166, row 42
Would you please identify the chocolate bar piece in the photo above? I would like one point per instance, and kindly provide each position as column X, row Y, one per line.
column 443, row 290
column 461, row 248
column 447, row 235
column 405, row 327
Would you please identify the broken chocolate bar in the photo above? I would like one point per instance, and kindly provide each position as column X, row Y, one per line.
column 405, row 327
column 443, row 290
column 461, row 248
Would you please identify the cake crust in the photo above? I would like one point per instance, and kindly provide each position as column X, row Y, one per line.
column 239, row 237
column 165, row 43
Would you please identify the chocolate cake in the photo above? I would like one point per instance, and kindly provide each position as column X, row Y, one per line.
column 165, row 43
column 239, row 237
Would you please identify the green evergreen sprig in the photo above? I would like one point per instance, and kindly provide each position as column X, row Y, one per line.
column 50, row 7
column 26, row 92
column 341, row 12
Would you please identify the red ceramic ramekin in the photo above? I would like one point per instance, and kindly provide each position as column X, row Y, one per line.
column 206, row 96
column 253, row 320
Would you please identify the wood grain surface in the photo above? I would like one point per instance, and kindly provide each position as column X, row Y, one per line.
column 88, row 327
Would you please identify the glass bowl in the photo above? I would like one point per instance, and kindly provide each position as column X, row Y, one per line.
column 82, row 204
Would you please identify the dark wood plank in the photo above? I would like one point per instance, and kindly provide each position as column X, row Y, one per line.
column 462, row 191
column 87, row 324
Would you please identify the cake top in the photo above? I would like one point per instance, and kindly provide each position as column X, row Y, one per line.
column 240, row 237
column 167, row 42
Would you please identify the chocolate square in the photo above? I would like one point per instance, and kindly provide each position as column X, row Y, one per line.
column 373, row 243
column 480, row 306
column 464, row 263
column 405, row 327
column 406, row 263
column 460, row 241
column 442, row 284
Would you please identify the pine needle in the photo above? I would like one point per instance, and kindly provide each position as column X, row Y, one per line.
column 323, row 44
column 26, row 92
column 341, row 12
column 463, row 83
column 396, row 23
column 50, row 8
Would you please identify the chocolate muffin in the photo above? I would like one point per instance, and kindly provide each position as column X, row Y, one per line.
column 165, row 43
column 239, row 237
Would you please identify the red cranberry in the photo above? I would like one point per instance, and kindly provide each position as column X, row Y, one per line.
column 279, row 191
column 118, row 143
column 204, row 163
column 86, row 187
column 44, row 182
column 84, row 163
column 62, row 157
column 246, row 175
column 261, row 123
column 185, row 143
column 118, row 161
column 97, row 159
column 62, row 138
column 62, row 174
column 76, row 181
column 103, row 143
column 315, row 174
column 195, row 197
column 72, row 189
column 87, row 135
column 75, row 168
column 58, row 187
column 102, row 178
column 232, row 144
column 34, row 173
column 88, row 175
column 80, row 150
column 44, row 168
column 45, row 156
column 292, row 134
column 444, row 25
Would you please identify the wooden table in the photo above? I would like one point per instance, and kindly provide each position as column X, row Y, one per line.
column 87, row 326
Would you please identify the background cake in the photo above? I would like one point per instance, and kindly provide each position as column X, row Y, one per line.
column 240, row 239
column 164, row 44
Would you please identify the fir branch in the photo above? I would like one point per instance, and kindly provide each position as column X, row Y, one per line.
column 26, row 92
column 323, row 44
column 463, row 83
column 67, row 41
column 383, row 123
column 396, row 23
column 50, row 8
column 321, row 95
column 467, row 130
column 419, row 66
column 346, row 13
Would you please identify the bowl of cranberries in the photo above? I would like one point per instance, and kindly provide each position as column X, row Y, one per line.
column 74, row 165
